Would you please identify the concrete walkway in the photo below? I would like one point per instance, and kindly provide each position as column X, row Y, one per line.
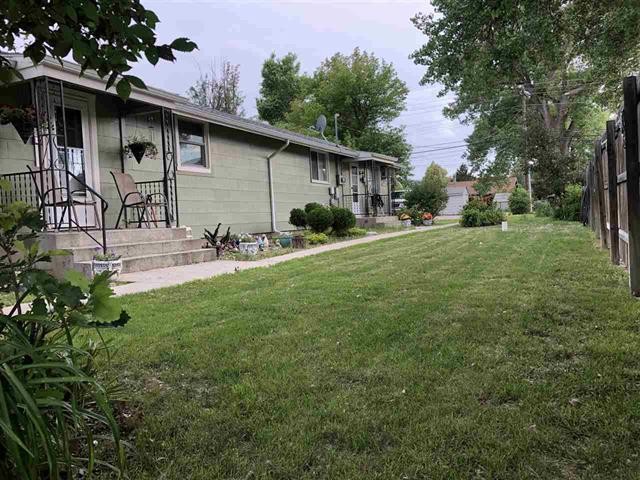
column 167, row 277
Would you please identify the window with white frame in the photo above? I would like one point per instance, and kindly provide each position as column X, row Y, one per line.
column 319, row 167
column 193, row 144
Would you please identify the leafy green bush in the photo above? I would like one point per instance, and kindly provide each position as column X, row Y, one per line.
column 429, row 194
column 519, row 201
column 320, row 219
column 52, row 405
column 356, row 232
column 317, row 238
column 478, row 214
column 312, row 206
column 542, row 208
column 298, row 218
column 570, row 203
column 343, row 220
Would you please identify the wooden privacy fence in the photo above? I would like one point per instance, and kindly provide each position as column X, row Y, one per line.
column 612, row 190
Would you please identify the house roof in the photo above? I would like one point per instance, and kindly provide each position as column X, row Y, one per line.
column 507, row 186
column 456, row 190
column 70, row 73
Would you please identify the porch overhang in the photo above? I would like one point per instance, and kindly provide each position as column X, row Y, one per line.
column 377, row 157
column 69, row 72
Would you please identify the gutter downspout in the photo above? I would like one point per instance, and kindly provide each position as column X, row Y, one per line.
column 272, row 196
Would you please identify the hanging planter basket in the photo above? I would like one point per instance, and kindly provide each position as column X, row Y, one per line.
column 139, row 147
column 24, row 128
column 138, row 150
column 22, row 119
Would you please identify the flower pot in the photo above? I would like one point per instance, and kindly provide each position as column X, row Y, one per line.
column 406, row 223
column 285, row 242
column 137, row 150
column 99, row 266
column 250, row 248
column 24, row 128
column 427, row 223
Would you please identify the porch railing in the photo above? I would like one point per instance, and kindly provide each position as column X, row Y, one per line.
column 51, row 191
column 155, row 188
column 368, row 204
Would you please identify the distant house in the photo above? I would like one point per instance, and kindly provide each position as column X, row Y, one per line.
column 459, row 194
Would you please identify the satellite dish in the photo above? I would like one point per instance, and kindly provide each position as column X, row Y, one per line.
column 321, row 125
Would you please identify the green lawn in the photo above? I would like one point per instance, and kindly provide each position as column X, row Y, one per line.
column 460, row 353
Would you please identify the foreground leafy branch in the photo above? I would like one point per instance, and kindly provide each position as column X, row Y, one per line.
column 52, row 406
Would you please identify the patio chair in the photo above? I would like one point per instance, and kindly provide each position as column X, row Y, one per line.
column 131, row 198
column 53, row 195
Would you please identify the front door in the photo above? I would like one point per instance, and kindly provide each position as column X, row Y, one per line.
column 79, row 158
column 355, row 190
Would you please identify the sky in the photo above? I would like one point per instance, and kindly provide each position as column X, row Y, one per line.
column 247, row 32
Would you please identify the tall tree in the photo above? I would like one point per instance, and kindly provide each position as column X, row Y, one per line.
column 281, row 84
column 105, row 36
column 463, row 174
column 517, row 66
column 219, row 89
column 367, row 94
column 430, row 193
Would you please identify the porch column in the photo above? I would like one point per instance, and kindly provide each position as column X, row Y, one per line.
column 169, row 179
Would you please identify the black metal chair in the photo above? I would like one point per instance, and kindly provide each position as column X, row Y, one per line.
column 53, row 196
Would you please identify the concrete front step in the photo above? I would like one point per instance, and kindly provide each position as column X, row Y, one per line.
column 158, row 260
column 140, row 249
column 70, row 240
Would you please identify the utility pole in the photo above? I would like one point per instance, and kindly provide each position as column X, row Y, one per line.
column 335, row 124
column 527, row 162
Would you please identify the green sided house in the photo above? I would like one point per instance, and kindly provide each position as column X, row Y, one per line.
column 67, row 157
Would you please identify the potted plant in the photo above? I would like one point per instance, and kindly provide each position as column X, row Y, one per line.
column 22, row 119
column 106, row 262
column 139, row 147
column 284, row 241
column 427, row 219
column 405, row 219
column 248, row 244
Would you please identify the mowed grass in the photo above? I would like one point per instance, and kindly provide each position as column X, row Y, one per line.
column 461, row 353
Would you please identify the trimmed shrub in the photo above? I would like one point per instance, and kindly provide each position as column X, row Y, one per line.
column 570, row 203
column 317, row 238
column 542, row 208
column 477, row 214
column 312, row 206
column 320, row 219
column 356, row 232
column 298, row 218
column 343, row 220
column 519, row 201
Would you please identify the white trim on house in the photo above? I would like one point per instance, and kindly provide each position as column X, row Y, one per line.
column 327, row 167
column 197, row 169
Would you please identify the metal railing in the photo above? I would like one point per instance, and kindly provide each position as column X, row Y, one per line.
column 368, row 204
column 155, row 190
column 64, row 200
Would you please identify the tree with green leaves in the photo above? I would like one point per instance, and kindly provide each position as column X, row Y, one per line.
column 463, row 174
column 281, row 84
column 105, row 36
column 364, row 90
column 219, row 89
column 429, row 194
column 525, row 64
